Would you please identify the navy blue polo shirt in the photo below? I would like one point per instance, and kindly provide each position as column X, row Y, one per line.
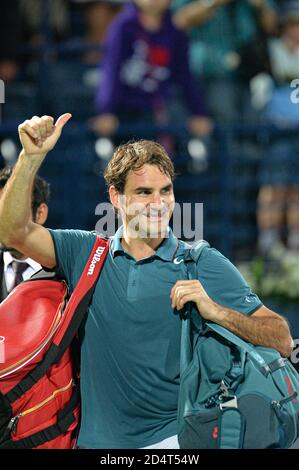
column 131, row 337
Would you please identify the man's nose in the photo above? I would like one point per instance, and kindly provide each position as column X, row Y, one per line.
column 157, row 200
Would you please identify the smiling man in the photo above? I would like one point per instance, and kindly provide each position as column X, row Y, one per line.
column 130, row 348
column 139, row 179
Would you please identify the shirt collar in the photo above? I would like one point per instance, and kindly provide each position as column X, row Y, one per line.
column 7, row 259
column 115, row 245
column 166, row 250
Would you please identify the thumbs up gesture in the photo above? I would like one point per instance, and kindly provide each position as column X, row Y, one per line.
column 39, row 135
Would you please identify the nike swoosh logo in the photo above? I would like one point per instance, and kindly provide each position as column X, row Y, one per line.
column 178, row 261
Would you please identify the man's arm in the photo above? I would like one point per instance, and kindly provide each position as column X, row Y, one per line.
column 266, row 15
column 197, row 13
column 199, row 123
column 38, row 136
column 108, row 93
column 107, row 96
column 263, row 327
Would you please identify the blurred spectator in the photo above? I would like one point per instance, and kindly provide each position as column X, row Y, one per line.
column 98, row 16
column 90, row 20
column 275, row 66
column 145, row 56
column 9, row 39
column 50, row 17
column 218, row 31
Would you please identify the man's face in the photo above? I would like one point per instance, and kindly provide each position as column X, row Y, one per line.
column 147, row 203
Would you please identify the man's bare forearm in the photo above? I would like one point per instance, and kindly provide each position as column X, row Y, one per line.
column 194, row 14
column 266, row 331
column 15, row 201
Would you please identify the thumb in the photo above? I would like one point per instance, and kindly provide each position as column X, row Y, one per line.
column 62, row 120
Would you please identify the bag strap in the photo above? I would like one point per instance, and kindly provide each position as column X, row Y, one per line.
column 194, row 255
column 196, row 250
column 254, row 355
column 72, row 317
column 77, row 305
column 191, row 260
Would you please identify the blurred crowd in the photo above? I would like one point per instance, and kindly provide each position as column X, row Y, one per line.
column 203, row 62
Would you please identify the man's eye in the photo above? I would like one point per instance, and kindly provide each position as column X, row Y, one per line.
column 144, row 192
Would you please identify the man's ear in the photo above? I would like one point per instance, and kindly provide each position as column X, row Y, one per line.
column 41, row 214
column 114, row 196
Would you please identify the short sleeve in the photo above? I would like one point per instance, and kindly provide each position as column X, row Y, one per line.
column 72, row 250
column 224, row 283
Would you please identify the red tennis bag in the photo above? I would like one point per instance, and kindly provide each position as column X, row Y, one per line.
column 39, row 380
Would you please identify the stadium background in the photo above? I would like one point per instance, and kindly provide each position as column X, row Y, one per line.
column 55, row 76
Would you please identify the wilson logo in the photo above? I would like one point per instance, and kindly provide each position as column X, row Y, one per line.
column 96, row 258
column 290, row 390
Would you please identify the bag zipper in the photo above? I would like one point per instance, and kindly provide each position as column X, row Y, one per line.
column 12, row 425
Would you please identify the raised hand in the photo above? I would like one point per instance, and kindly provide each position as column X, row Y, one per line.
column 39, row 135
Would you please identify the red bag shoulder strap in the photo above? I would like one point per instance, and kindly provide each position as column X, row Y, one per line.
column 80, row 298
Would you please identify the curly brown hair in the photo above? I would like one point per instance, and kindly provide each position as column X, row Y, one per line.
column 131, row 157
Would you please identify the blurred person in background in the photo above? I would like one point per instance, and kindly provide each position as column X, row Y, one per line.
column 145, row 57
column 274, row 65
column 39, row 17
column 14, row 266
column 218, row 31
column 98, row 15
column 9, row 39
